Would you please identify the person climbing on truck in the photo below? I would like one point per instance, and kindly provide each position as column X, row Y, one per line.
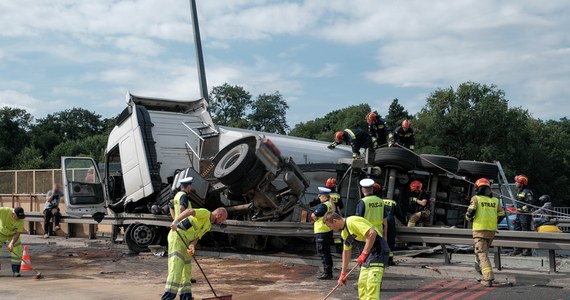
column 377, row 129
column 419, row 200
column 403, row 136
column 357, row 138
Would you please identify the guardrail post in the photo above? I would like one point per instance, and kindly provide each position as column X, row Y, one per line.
column 446, row 255
column 32, row 227
column 497, row 258
column 70, row 230
column 552, row 260
column 92, row 234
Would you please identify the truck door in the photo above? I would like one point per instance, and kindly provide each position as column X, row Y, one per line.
column 84, row 191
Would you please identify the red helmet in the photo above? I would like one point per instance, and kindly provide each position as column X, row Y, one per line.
column 377, row 187
column 406, row 124
column 482, row 182
column 338, row 136
column 331, row 182
column 415, row 185
column 371, row 118
column 522, row 179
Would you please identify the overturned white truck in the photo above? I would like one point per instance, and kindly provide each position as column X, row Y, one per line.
column 257, row 176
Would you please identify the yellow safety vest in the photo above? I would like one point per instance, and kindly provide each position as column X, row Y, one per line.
column 486, row 214
column 320, row 226
column 374, row 212
column 177, row 203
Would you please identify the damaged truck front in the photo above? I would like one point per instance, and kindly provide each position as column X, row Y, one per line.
column 156, row 142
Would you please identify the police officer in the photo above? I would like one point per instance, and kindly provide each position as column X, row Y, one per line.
column 393, row 211
column 11, row 225
column 357, row 138
column 525, row 203
column 371, row 207
column 377, row 129
column 419, row 204
column 335, row 196
column 404, row 136
column 359, row 232
column 186, row 230
column 324, row 235
column 485, row 212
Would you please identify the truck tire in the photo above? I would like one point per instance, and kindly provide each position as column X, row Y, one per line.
column 246, row 183
column 395, row 157
column 478, row 169
column 433, row 163
column 139, row 236
column 234, row 164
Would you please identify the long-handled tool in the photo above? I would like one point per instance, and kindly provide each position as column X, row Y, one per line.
column 38, row 275
column 337, row 285
column 216, row 297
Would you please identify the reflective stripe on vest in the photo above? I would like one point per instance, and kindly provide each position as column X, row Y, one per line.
column 374, row 211
column 352, row 135
column 335, row 197
column 320, row 226
column 486, row 215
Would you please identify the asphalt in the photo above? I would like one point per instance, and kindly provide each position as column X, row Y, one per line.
column 517, row 270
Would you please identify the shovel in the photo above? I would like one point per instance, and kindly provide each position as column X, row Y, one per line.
column 216, row 297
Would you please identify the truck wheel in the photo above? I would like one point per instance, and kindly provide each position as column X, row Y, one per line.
column 139, row 236
column 234, row 164
column 432, row 163
column 478, row 169
column 246, row 183
column 391, row 157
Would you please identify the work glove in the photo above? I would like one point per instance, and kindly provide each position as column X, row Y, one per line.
column 10, row 247
column 342, row 279
column 524, row 208
column 191, row 249
column 412, row 147
column 331, row 146
column 362, row 258
column 355, row 155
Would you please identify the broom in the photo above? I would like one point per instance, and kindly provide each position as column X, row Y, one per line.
column 216, row 297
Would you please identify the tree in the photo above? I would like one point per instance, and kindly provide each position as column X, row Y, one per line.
column 229, row 105
column 92, row 146
column 396, row 114
column 324, row 128
column 15, row 126
column 268, row 114
column 29, row 158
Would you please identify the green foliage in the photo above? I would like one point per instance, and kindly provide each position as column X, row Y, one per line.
column 323, row 129
column 268, row 114
column 14, row 125
column 229, row 105
column 396, row 114
column 92, row 146
column 29, row 158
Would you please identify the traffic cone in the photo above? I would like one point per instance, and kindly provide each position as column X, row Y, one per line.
column 27, row 265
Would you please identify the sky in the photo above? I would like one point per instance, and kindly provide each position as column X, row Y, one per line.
column 321, row 55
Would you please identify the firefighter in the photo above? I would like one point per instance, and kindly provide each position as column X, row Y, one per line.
column 403, row 136
column 485, row 212
column 191, row 225
column 525, row 204
column 419, row 204
column 359, row 232
column 393, row 211
column 377, row 129
column 11, row 226
column 357, row 138
column 324, row 235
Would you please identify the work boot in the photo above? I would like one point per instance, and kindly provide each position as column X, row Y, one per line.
column 526, row 252
column 391, row 261
column 486, row 283
column 16, row 274
column 325, row 276
column 515, row 252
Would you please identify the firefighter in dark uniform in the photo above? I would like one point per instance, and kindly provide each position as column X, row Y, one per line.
column 485, row 212
column 525, row 204
column 393, row 211
column 359, row 232
column 324, row 235
column 545, row 213
column 377, row 129
column 357, row 138
column 403, row 136
column 419, row 200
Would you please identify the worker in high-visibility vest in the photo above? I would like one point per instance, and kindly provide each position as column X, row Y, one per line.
column 359, row 232
column 485, row 211
column 11, row 225
column 323, row 234
column 371, row 207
